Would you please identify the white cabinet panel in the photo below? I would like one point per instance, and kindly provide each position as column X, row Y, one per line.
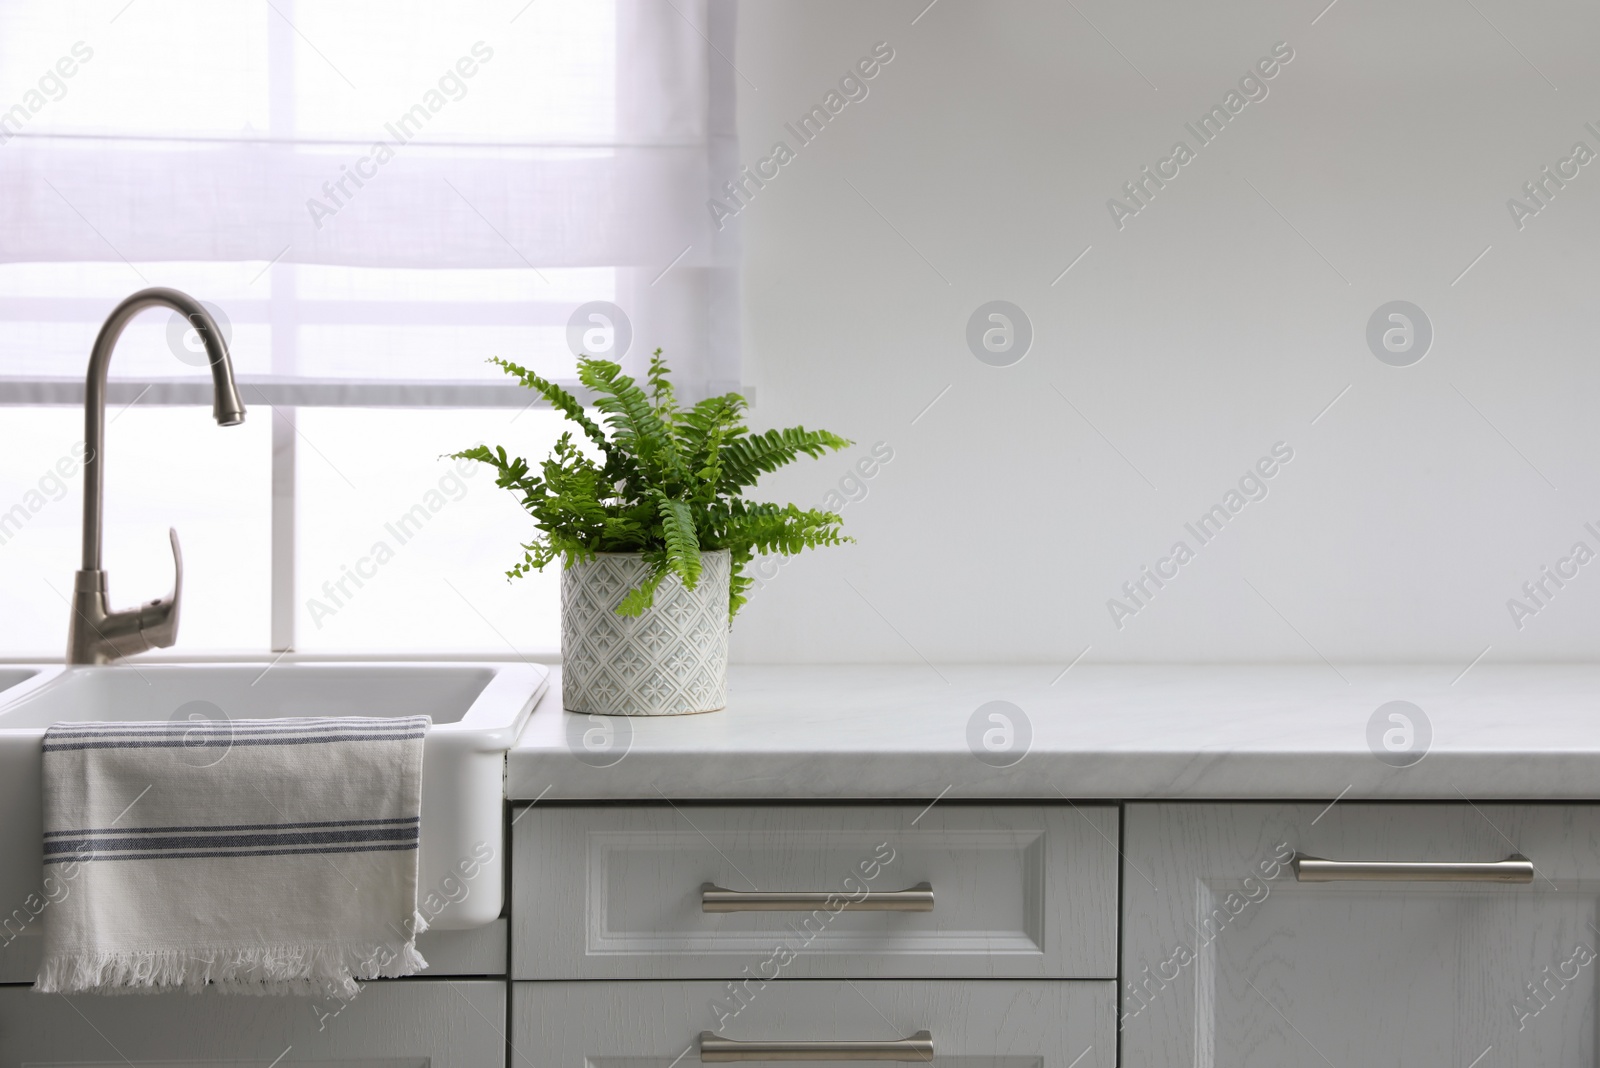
column 475, row 951
column 398, row 1024
column 989, row 1024
column 1229, row 960
column 616, row 892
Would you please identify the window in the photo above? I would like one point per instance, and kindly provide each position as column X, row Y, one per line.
column 373, row 199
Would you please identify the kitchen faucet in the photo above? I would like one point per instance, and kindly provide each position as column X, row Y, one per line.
column 96, row 634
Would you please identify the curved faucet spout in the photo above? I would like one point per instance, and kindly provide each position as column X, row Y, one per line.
column 227, row 408
column 97, row 635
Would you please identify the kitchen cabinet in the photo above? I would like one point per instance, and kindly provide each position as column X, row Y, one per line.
column 682, row 892
column 1229, row 958
column 989, row 1024
column 390, row 1024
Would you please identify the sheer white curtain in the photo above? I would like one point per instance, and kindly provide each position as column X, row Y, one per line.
column 374, row 196
column 561, row 134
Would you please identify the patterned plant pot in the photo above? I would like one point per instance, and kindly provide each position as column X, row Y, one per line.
column 669, row 661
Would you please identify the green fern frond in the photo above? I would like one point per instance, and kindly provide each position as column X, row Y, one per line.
column 642, row 596
column 559, row 399
column 682, row 541
column 739, row 583
column 787, row 530
column 696, row 424
column 661, row 392
column 635, row 427
column 746, row 459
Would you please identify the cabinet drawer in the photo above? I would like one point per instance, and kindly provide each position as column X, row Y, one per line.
column 987, row 1024
column 1237, row 961
column 624, row 892
column 390, row 1024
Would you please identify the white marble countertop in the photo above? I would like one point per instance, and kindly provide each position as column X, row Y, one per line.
column 1220, row 732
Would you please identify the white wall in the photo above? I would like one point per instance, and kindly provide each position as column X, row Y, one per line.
column 1205, row 331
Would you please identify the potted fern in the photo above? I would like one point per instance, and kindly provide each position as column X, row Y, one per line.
column 649, row 520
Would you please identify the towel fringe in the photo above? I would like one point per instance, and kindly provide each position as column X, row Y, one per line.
column 319, row 970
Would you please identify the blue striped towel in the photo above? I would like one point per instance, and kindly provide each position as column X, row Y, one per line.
column 255, row 856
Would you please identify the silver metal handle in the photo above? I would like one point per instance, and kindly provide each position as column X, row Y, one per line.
column 714, row 1049
column 1514, row 869
column 98, row 635
column 158, row 619
column 714, row 898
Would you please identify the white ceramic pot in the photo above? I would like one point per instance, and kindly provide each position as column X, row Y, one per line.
column 669, row 661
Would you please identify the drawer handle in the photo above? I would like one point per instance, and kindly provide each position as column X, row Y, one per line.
column 714, row 1049
column 714, row 898
column 1514, row 869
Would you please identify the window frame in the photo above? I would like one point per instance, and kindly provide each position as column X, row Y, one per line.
column 281, row 393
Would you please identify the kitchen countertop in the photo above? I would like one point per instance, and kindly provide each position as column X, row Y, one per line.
column 1526, row 732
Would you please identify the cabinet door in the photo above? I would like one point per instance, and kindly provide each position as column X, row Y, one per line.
column 991, row 1023
column 393, row 1024
column 1230, row 959
column 624, row 892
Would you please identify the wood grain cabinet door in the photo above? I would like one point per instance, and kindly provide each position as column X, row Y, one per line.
column 990, row 1024
column 1233, row 957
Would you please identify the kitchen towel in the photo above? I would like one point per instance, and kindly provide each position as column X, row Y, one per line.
column 263, row 856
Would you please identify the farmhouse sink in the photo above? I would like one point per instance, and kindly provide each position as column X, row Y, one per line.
column 477, row 709
column 16, row 680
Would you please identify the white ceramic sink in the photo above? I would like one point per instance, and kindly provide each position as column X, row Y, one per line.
column 477, row 708
column 17, row 680
column 10, row 676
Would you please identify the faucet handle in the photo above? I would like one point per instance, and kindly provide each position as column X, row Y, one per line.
column 158, row 620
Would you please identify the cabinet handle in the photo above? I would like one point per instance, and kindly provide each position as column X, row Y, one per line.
column 1514, row 869
column 714, row 898
column 714, row 1049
